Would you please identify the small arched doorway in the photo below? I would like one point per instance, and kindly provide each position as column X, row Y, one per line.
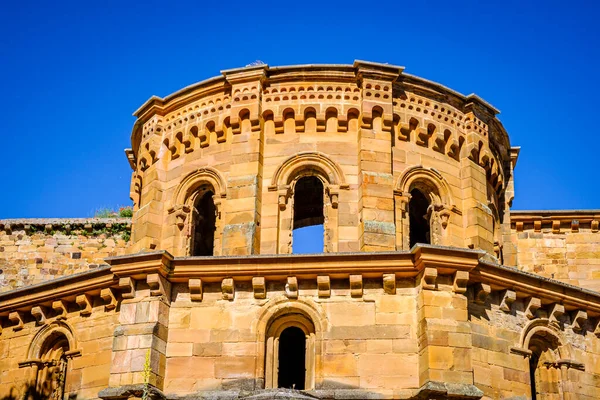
column 418, row 209
column 292, row 359
column 290, row 353
column 203, row 235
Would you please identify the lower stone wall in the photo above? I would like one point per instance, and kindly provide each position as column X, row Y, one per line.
column 87, row 372
column 37, row 250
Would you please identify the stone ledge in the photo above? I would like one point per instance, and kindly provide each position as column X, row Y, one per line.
column 131, row 391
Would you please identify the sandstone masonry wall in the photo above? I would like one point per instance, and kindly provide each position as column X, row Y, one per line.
column 563, row 245
column 37, row 250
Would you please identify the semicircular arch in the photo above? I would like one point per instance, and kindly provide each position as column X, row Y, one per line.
column 195, row 179
column 46, row 334
column 429, row 181
column 317, row 162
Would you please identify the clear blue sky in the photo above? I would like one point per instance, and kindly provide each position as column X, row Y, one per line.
column 72, row 73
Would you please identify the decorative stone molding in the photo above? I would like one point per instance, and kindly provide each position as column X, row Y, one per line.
column 507, row 298
column 109, row 296
column 84, row 302
column 356, row 285
column 324, row 285
column 195, row 288
column 228, row 289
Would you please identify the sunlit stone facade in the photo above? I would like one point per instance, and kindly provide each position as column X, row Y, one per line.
column 427, row 286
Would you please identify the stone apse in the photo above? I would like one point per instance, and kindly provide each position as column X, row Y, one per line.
column 427, row 286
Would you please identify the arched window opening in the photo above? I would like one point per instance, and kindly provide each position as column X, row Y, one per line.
column 52, row 371
column 544, row 375
column 292, row 359
column 418, row 206
column 204, row 224
column 308, row 212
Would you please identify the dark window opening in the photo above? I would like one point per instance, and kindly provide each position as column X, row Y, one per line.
column 308, row 212
column 419, row 222
column 533, row 363
column 204, row 225
column 292, row 359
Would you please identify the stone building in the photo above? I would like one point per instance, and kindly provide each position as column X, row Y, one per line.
column 428, row 286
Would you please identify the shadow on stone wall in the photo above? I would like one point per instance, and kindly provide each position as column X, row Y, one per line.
column 32, row 392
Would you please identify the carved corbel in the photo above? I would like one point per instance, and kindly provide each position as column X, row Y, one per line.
column 555, row 226
column 484, row 160
column 537, row 226
column 60, row 309
column 532, row 304
column 356, row 285
column 389, row 283
column 482, row 291
column 195, row 288
column 16, row 317
column 575, row 225
column 181, row 211
column 519, row 226
column 594, row 225
column 578, row 319
column 291, row 287
column 84, row 302
column 159, row 285
column 228, row 289
column 110, row 298
column 334, row 195
column 444, row 214
column 461, row 279
column 259, row 287
column 439, row 142
column 218, row 206
column 324, row 285
column 40, row 314
column 127, row 286
column 555, row 311
column 282, row 196
column 507, row 297
column 428, row 281
column 454, row 149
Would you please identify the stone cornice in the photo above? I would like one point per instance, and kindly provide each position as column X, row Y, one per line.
column 67, row 287
column 555, row 220
column 422, row 260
